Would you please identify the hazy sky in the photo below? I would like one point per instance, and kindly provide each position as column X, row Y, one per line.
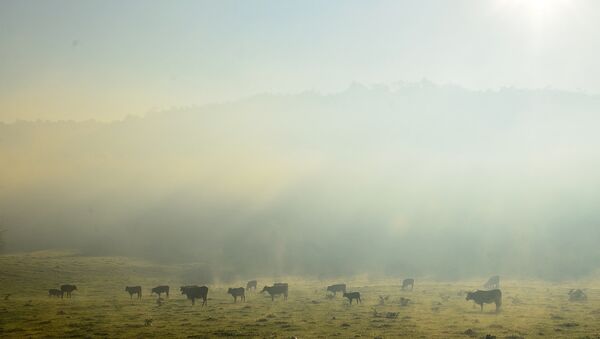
column 107, row 59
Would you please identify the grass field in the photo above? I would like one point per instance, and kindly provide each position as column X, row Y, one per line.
column 101, row 308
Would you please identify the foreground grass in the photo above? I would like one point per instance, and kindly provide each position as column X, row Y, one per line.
column 101, row 307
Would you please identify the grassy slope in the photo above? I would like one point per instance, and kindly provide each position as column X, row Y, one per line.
column 102, row 308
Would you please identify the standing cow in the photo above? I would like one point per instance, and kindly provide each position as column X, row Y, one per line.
column 251, row 285
column 134, row 290
column 237, row 292
column 353, row 295
column 160, row 290
column 493, row 282
column 277, row 289
column 408, row 282
column 195, row 292
column 486, row 297
column 337, row 288
column 67, row 289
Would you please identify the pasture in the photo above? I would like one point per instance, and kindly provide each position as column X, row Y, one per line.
column 101, row 308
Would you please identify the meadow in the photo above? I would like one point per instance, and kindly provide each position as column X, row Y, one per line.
column 101, row 308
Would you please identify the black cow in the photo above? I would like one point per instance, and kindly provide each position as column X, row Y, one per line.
column 160, row 290
column 134, row 290
column 486, row 297
column 353, row 295
column 251, row 285
column 493, row 282
column 337, row 288
column 53, row 292
column 408, row 282
column 277, row 289
column 67, row 289
column 237, row 292
column 195, row 292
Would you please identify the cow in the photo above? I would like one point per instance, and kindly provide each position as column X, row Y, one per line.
column 353, row 295
column 134, row 290
column 276, row 289
column 67, row 289
column 337, row 288
column 486, row 297
column 237, row 292
column 251, row 285
column 195, row 292
column 408, row 282
column 492, row 283
column 53, row 292
column 160, row 290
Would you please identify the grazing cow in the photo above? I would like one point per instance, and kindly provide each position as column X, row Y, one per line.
column 53, row 292
column 277, row 289
column 353, row 295
column 160, row 290
column 408, row 282
column 195, row 292
column 134, row 290
column 337, row 288
column 251, row 285
column 237, row 292
column 493, row 282
column 68, row 289
column 577, row 295
column 486, row 297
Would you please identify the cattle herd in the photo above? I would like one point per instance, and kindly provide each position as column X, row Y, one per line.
column 491, row 294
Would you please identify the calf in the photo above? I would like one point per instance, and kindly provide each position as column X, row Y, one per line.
column 53, row 292
column 67, row 289
column 353, row 295
column 493, row 282
column 486, row 297
column 337, row 288
column 277, row 289
column 134, row 290
column 237, row 292
column 408, row 282
column 160, row 290
column 195, row 292
column 251, row 285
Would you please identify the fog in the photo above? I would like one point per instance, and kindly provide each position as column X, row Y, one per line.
column 416, row 179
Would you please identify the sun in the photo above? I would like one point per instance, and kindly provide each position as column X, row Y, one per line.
column 538, row 12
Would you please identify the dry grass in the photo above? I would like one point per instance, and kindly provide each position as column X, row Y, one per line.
column 101, row 307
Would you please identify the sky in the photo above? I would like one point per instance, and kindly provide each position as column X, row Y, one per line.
column 105, row 60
